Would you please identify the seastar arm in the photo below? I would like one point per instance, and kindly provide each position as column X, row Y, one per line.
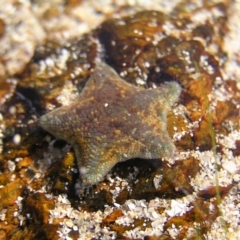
column 93, row 165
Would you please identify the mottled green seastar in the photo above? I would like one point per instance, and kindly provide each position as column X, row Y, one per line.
column 112, row 121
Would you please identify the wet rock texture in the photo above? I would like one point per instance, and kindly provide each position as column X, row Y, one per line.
column 39, row 173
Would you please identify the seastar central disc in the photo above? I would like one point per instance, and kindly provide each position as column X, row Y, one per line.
column 113, row 121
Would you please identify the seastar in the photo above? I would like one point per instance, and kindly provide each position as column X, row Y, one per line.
column 112, row 121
